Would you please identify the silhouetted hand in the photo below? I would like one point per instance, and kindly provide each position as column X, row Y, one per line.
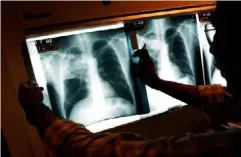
column 228, row 110
column 146, row 71
column 29, row 93
column 30, row 97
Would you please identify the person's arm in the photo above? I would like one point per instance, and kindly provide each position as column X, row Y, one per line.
column 66, row 138
column 31, row 99
column 40, row 116
column 186, row 93
column 74, row 140
column 213, row 99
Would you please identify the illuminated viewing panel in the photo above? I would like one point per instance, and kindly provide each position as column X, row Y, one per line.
column 89, row 77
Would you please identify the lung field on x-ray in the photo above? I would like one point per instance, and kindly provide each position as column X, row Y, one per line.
column 173, row 44
column 178, row 52
column 75, row 87
column 110, row 70
column 88, row 78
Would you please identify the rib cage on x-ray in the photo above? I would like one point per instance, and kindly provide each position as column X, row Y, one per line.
column 174, row 47
column 88, row 78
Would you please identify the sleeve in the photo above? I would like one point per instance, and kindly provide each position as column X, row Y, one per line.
column 218, row 104
column 65, row 138
column 68, row 139
column 211, row 94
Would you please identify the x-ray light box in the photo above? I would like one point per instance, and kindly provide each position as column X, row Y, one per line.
column 89, row 77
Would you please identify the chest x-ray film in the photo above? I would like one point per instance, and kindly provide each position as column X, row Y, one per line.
column 173, row 45
column 86, row 75
column 206, row 33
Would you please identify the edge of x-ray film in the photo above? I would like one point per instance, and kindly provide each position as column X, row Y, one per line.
column 200, row 46
column 38, row 71
column 75, row 31
column 112, row 123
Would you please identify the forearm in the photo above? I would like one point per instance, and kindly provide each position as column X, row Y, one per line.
column 75, row 140
column 186, row 93
column 40, row 116
column 220, row 144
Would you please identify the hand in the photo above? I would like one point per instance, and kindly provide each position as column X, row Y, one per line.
column 146, row 71
column 220, row 113
column 29, row 93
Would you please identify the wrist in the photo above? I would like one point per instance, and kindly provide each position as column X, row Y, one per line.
column 33, row 110
column 38, row 110
column 158, row 84
column 40, row 116
column 29, row 105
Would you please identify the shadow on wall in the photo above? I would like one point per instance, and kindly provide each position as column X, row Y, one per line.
column 4, row 147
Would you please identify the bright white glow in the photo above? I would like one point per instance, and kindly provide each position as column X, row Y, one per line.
column 38, row 70
column 94, row 83
column 218, row 79
column 200, row 36
column 112, row 123
column 79, row 31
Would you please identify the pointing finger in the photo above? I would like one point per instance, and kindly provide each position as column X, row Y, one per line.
column 142, row 53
